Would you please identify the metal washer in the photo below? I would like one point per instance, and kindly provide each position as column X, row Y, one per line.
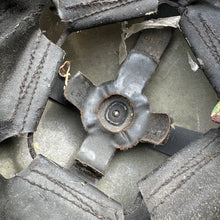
column 116, row 113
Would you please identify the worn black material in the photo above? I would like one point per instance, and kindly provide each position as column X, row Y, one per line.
column 29, row 62
column 46, row 191
column 57, row 92
column 137, row 123
column 86, row 14
column 187, row 185
column 200, row 25
column 178, row 139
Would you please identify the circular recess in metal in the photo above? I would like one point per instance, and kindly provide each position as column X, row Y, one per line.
column 116, row 113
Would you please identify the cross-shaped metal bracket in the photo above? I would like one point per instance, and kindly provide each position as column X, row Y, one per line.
column 116, row 114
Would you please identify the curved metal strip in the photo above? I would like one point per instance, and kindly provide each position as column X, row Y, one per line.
column 158, row 128
column 97, row 151
column 142, row 61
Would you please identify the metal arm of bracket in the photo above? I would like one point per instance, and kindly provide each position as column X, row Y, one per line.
column 116, row 114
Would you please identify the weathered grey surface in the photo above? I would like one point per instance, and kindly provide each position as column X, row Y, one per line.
column 200, row 25
column 46, row 191
column 25, row 91
column 187, row 186
column 81, row 14
column 29, row 62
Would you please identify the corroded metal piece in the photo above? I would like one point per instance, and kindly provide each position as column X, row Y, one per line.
column 116, row 114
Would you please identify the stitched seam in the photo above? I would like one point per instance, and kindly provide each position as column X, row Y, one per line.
column 208, row 32
column 29, row 17
column 64, row 186
column 59, row 195
column 176, row 173
column 37, row 74
column 202, row 38
column 209, row 29
column 205, row 24
column 95, row 3
column 103, row 10
column 4, row 125
column 22, row 86
column 183, row 181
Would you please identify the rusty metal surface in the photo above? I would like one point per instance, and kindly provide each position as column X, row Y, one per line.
column 102, row 107
column 86, row 14
column 29, row 62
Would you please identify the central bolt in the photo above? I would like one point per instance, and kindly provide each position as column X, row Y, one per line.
column 116, row 113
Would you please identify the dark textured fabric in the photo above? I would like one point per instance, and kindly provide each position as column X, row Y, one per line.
column 81, row 14
column 200, row 25
column 46, row 191
column 187, row 186
column 29, row 62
